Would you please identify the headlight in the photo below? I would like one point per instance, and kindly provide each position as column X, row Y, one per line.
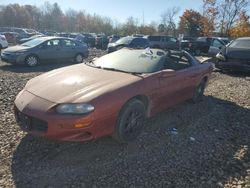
column 220, row 57
column 19, row 53
column 74, row 108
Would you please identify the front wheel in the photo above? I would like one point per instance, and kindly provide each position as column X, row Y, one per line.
column 199, row 92
column 31, row 60
column 130, row 121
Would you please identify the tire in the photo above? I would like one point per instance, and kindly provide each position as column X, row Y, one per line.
column 78, row 58
column 199, row 92
column 130, row 121
column 31, row 60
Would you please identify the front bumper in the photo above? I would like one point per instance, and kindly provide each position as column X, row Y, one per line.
column 233, row 65
column 12, row 58
column 34, row 115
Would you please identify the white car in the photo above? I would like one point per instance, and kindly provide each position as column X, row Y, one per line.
column 3, row 42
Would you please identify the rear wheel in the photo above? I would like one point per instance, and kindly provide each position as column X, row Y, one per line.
column 79, row 58
column 130, row 121
column 199, row 92
column 31, row 60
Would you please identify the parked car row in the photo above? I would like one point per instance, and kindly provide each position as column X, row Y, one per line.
column 16, row 34
column 219, row 47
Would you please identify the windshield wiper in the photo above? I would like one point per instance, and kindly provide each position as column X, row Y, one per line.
column 118, row 70
column 91, row 64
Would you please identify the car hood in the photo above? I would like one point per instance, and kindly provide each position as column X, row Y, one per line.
column 236, row 53
column 16, row 48
column 112, row 44
column 77, row 83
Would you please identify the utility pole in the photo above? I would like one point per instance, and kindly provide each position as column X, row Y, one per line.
column 143, row 18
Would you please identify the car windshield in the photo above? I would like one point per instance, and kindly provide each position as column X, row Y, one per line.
column 33, row 42
column 30, row 30
column 124, row 40
column 240, row 43
column 131, row 61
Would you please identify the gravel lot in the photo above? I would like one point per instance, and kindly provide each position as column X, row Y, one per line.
column 209, row 149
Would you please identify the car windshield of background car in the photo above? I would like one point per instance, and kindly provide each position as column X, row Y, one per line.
column 240, row 44
column 33, row 42
column 125, row 40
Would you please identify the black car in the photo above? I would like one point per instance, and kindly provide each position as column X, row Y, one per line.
column 44, row 49
column 101, row 42
column 163, row 42
column 130, row 42
column 89, row 39
column 235, row 56
column 206, row 45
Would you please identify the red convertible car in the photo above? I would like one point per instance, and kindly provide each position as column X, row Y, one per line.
column 111, row 95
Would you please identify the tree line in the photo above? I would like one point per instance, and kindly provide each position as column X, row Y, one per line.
column 224, row 17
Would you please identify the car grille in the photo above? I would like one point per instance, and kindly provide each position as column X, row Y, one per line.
column 30, row 123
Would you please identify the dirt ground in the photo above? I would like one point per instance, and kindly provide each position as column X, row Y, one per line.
column 191, row 145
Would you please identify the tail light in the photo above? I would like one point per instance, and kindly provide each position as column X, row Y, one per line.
column 190, row 45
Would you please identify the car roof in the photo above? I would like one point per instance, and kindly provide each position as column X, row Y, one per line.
column 53, row 37
column 243, row 38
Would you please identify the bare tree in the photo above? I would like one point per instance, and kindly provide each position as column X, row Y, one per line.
column 168, row 20
column 229, row 11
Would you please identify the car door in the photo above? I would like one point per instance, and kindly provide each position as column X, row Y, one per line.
column 171, row 43
column 139, row 43
column 178, row 86
column 68, row 49
column 215, row 47
column 50, row 50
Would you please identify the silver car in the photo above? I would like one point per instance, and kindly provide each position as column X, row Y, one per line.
column 46, row 49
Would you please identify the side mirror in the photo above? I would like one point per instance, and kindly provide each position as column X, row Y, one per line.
column 167, row 73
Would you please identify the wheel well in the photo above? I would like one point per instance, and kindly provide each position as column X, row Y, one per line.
column 32, row 55
column 144, row 99
column 205, row 79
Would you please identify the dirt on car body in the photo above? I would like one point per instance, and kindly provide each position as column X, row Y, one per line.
column 208, row 148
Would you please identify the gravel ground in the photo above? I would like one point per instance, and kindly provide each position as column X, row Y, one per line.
column 210, row 147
